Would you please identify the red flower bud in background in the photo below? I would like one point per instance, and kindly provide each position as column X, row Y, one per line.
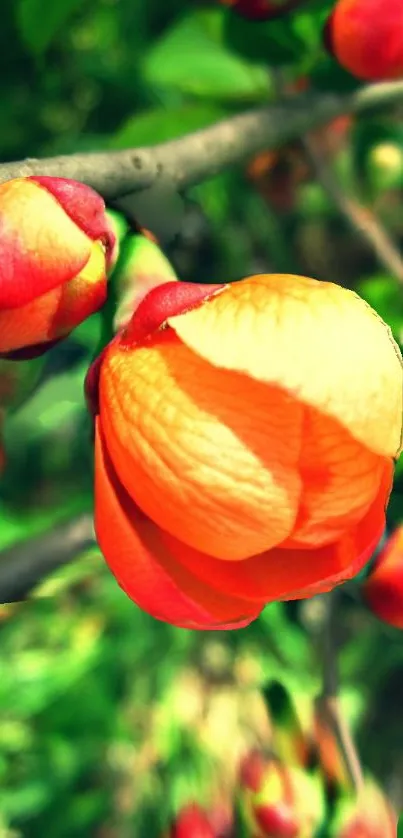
column 192, row 822
column 369, row 815
column 383, row 589
column 56, row 245
column 252, row 770
column 261, row 9
column 366, row 38
column 284, row 803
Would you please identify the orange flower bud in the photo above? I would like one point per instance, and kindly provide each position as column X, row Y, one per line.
column 245, row 439
column 55, row 246
column 261, row 9
column 383, row 590
column 368, row 816
column 366, row 37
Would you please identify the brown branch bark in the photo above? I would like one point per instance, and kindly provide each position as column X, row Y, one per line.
column 25, row 564
column 362, row 220
column 200, row 155
column 328, row 702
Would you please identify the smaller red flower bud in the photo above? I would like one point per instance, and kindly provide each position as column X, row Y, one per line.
column 192, row 822
column 366, row 38
column 277, row 821
column 252, row 770
column 383, row 589
column 56, row 245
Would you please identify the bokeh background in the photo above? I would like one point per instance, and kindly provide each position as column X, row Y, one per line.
column 110, row 720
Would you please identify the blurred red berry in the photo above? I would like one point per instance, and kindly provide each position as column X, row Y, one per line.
column 252, row 770
column 383, row 590
column 366, row 38
column 277, row 821
column 192, row 822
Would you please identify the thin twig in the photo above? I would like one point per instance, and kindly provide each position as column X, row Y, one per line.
column 25, row 564
column 328, row 702
column 195, row 157
column 363, row 221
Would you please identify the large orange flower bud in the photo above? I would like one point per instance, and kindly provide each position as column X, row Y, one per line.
column 366, row 37
column 244, row 445
column 56, row 244
column 383, row 590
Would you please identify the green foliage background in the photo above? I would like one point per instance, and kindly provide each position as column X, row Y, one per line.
column 84, row 674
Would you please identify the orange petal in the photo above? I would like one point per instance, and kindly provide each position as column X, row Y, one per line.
column 40, row 246
column 210, row 456
column 144, row 567
column 340, row 479
column 318, row 341
column 292, row 573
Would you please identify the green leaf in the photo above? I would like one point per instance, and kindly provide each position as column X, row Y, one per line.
column 400, row 827
column 193, row 59
column 157, row 125
column 273, row 41
column 39, row 22
column 385, row 297
column 141, row 267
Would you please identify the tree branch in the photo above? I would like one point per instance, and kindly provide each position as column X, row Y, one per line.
column 23, row 565
column 361, row 219
column 328, row 703
column 200, row 155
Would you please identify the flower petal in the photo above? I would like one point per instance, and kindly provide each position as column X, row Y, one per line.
column 208, row 455
column 340, row 479
column 83, row 205
column 40, row 247
column 291, row 573
column 143, row 566
column 317, row 340
column 54, row 314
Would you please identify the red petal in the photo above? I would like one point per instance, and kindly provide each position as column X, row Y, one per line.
column 143, row 566
column 165, row 301
column 83, row 205
column 40, row 247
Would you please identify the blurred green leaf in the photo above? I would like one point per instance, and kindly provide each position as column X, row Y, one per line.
column 386, row 297
column 274, row 42
column 39, row 21
column 193, row 58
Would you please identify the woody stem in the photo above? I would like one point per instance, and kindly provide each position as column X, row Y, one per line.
column 329, row 700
